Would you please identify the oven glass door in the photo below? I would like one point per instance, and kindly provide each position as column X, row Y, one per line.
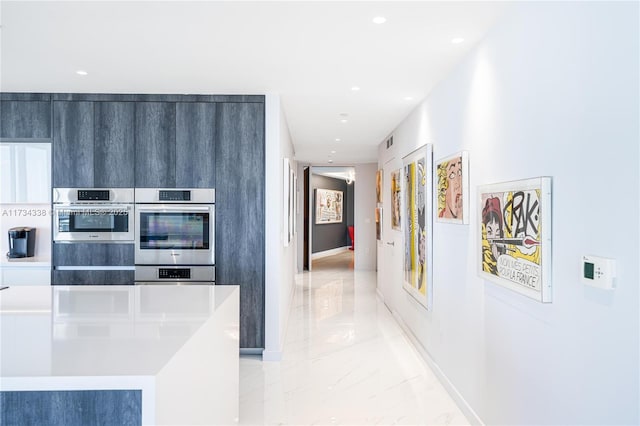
column 93, row 223
column 170, row 234
column 174, row 231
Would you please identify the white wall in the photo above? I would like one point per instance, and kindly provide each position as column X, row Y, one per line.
column 552, row 90
column 279, row 260
column 364, row 217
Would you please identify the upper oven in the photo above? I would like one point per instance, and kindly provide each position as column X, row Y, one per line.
column 174, row 226
column 93, row 214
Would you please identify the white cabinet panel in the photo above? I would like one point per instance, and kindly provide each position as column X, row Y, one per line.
column 25, row 172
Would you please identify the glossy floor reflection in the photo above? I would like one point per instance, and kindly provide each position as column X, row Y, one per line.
column 345, row 361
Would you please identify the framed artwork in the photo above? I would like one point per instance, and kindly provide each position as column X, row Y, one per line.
column 379, row 223
column 418, row 226
column 396, row 212
column 379, row 186
column 296, row 206
column 292, row 204
column 328, row 206
column 515, row 236
column 452, row 178
column 286, row 208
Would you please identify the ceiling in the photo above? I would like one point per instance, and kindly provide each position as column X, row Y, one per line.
column 346, row 173
column 310, row 53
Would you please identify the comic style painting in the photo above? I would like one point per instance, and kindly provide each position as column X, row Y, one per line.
column 328, row 206
column 452, row 175
column 379, row 223
column 379, row 186
column 515, row 225
column 396, row 213
column 417, row 228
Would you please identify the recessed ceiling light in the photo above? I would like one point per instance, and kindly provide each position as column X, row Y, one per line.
column 457, row 40
column 355, row 88
column 338, row 139
column 408, row 98
column 333, row 152
column 81, row 72
column 379, row 20
column 344, row 120
column 331, row 161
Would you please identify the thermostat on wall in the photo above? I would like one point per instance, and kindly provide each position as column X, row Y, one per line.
column 599, row 272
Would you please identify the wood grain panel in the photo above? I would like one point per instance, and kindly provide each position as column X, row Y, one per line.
column 72, row 144
column 70, row 408
column 195, row 141
column 25, row 119
column 240, row 212
column 114, row 153
column 155, row 145
column 21, row 96
column 93, row 254
column 84, row 277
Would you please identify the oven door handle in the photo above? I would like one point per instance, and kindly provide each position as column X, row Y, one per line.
column 92, row 207
column 168, row 208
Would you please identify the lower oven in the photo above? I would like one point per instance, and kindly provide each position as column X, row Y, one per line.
column 175, row 275
column 174, row 226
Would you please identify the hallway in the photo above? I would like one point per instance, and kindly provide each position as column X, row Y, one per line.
column 345, row 361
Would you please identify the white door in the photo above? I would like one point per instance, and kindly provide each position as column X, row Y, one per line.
column 390, row 247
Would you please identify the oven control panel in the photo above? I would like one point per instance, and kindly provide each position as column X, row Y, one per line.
column 174, row 273
column 93, row 195
column 174, row 195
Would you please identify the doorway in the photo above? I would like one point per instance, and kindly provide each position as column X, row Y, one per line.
column 329, row 199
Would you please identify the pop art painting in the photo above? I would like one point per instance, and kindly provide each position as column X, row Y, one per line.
column 417, row 199
column 452, row 175
column 379, row 223
column 515, row 235
column 379, row 186
column 396, row 214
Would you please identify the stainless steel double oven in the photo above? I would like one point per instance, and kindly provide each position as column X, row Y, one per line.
column 174, row 236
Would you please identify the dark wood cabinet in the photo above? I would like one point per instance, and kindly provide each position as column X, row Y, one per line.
column 25, row 116
column 95, row 255
column 92, row 277
column 159, row 141
column 93, row 144
column 195, row 145
column 73, row 144
column 240, row 212
column 114, row 149
column 155, row 146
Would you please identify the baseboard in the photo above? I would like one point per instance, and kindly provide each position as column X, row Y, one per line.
column 466, row 409
column 251, row 351
column 331, row 252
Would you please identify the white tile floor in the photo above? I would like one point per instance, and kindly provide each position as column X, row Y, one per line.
column 345, row 361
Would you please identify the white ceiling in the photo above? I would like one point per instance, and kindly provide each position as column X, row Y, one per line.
column 344, row 173
column 311, row 53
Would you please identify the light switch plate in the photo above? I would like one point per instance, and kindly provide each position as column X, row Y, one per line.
column 599, row 272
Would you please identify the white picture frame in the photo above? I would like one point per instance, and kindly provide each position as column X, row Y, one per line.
column 329, row 206
column 417, row 224
column 514, row 222
column 452, row 189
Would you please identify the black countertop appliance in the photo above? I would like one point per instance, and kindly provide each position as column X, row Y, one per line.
column 22, row 242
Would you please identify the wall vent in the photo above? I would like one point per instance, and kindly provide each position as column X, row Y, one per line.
column 390, row 142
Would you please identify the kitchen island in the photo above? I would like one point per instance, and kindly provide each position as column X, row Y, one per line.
column 154, row 354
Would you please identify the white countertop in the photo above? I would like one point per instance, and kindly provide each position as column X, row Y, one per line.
column 176, row 343
column 25, row 262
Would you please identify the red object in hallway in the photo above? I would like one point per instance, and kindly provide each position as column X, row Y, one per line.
column 351, row 235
